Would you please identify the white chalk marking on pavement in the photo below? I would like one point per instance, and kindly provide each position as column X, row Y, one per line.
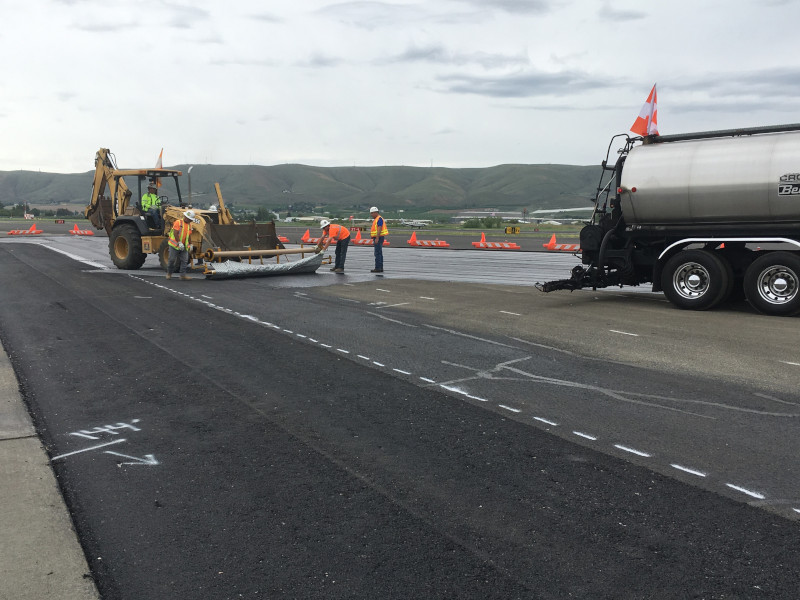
column 390, row 320
column 300, row 335
column 750, row 493
column 325, row 345
column 343, row 350
column 472, row 337
column 401, row 371
column 382, row 290
column 505, row 312
column 797, row 510
column 545, row 421
column 428, row 380
column 585, row 435
column 624, row 333
column 362, row 356
column 375, row 362
column 148, row 459
column 514, row 410
column 688, row 470
column 787, row 362
column 312, row 340
column 204, row 296
column 427, row 298
column 632, row 450
column 288, row 331
column 87, row 449
column 393, row 305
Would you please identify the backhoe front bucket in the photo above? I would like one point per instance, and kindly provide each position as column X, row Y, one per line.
column 261, row 236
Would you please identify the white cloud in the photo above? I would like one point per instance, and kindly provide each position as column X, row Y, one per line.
column 453, row 82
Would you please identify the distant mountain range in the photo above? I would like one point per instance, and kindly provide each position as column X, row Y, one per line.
column 414, row 189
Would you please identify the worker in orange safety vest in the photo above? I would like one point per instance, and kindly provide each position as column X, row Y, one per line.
column 179, row 246
column 341, row 235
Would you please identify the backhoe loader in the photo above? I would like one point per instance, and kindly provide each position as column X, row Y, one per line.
column 132, row 234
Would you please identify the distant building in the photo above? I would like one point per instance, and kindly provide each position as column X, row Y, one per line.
column 482, row 214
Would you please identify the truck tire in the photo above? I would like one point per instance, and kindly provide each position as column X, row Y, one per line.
column 125, row 247
column 772, row 284
column 695, row 280
column 163, row 254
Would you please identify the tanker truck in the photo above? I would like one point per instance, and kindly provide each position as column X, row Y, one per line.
column 701, row 217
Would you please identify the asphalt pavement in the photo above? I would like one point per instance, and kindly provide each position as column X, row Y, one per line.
column 204, row 459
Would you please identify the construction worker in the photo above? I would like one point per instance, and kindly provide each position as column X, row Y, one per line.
column 378, row 232
column 341, row 235
column 179, row 246
column 151, row 205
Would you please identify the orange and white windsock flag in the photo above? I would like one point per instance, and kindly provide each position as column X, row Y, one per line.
column 647, row 121
column 159, row 164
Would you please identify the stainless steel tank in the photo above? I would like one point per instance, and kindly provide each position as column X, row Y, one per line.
column 753, row 178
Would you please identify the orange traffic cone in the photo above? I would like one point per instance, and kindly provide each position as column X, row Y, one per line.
column 551, row 244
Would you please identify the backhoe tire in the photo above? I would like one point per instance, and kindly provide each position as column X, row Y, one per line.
column 772, row 284
column 125, row 247
column 163, row 254
column 695, row 280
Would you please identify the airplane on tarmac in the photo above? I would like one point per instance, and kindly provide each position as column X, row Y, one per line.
column 415, row 223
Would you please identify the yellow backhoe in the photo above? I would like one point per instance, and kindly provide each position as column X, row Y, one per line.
column 133, row 234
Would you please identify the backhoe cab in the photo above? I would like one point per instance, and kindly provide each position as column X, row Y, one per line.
column 133, row 234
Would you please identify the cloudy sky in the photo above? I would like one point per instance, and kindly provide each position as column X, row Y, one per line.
column 452, row 83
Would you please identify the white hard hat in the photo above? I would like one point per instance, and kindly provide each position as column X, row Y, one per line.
column 189, row 214
column 374, row 209
column 324, row 223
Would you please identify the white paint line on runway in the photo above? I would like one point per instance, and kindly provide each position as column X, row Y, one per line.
column 505, row 312
column 362, row 356
column 794, row 364
column 393, row 305
column 401, row 371
column 427, row 298
column 376, row 363
column 585, row 435
column 545, row 421
column 632, row 450
column 750, row 493
column 343, row 350
column 688, row 470
column 514, row 410
column 427, row 380
column 624, row 333
column 382, row 290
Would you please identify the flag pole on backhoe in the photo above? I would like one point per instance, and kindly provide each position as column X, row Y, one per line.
column 159, row 165
column 647, row 121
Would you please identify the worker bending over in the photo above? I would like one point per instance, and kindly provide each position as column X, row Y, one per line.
column 378, row 233
column 341, row 235
column 179, row 246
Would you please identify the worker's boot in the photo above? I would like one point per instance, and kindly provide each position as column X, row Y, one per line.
column 185, row 278
column 169, row 275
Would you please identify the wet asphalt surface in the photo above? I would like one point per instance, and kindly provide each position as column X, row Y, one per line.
column 256, row 463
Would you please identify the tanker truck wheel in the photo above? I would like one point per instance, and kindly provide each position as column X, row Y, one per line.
column 695, row 280
column 772, row 284
column 125, row 247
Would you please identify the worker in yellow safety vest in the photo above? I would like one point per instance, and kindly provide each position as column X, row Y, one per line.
column 151, row 206
column 179, row 246
column 341, row 235
column 378, row 233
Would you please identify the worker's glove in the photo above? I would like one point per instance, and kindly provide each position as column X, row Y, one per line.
column 181, row 246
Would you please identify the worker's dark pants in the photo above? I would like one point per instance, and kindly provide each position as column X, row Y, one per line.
column 158, row 220
column 378, row 245
column 341, row 253
column 176, row 256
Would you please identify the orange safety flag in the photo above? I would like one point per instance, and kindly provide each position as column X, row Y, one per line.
column 647, row 121
column 159, row 165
